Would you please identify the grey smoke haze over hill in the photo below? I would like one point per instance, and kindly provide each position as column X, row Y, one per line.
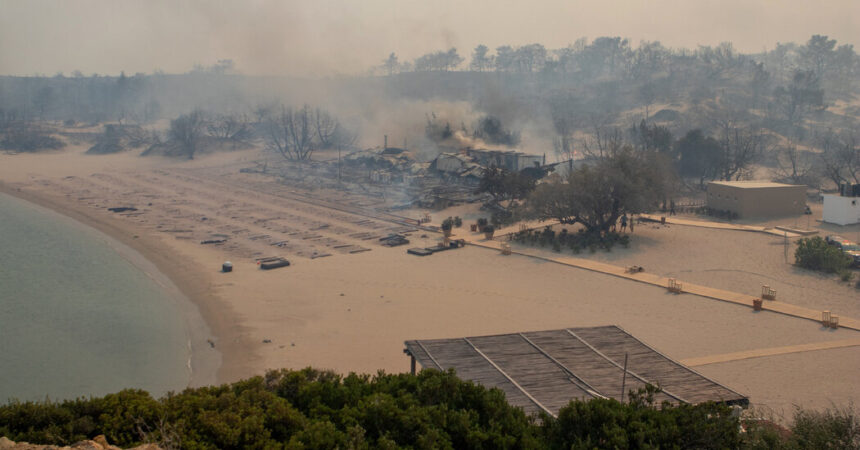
column 327, row 37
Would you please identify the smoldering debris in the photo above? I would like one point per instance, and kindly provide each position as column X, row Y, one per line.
column 399, row 179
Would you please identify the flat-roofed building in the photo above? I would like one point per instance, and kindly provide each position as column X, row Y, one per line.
column 844, row 207
column 757, row 199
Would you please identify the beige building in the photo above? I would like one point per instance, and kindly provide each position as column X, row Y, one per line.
column 757, row 199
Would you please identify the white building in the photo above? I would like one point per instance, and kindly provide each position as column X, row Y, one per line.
column 841, row 210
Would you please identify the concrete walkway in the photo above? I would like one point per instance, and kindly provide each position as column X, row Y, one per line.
column 675, row 220
column 672, row 220
column 773, row 351
column 656, row 280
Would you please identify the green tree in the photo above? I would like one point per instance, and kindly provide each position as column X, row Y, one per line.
column 506, row 185
column 815, row 254
column 391, row 64
column 480, row 60
column 595, row 196
column 818, row 53
column 641, row 424
column 800, row 96
column 698, row 156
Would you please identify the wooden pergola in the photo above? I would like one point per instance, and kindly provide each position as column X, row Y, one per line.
column 545, row 370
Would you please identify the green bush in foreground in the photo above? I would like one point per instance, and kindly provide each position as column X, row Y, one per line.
column 815, row 254
column 292, row 409
column 317, row 409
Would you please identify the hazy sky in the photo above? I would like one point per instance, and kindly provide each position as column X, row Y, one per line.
column 327, row 37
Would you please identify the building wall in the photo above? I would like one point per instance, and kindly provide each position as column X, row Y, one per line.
column 526, row 161
column 505, row 159
column 841, row 210
column 748, row 202
column 449, row 163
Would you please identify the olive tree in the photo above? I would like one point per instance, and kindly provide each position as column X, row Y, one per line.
column 596, row 195
column 186, row 131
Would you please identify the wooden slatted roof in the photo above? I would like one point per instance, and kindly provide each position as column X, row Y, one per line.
column 544, row 370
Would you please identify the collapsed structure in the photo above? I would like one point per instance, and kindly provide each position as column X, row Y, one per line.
column 449, row 178
column 468, row 164
column 400, row 178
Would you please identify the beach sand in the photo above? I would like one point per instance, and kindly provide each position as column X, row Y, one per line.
column 352, row 310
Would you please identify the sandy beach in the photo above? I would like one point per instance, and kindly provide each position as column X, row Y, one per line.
column 347, row 303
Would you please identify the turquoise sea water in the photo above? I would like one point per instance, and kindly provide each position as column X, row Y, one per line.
column 77, row 318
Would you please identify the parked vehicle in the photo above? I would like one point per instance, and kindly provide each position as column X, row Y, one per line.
column 853, row 250
column 836, row 241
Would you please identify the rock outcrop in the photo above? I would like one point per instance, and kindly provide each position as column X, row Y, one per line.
column 97, row 443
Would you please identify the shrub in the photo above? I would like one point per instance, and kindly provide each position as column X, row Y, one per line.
column 319, row 409
column 814, row 254
column 832, row 428
column 458, row 222
column 606, row 423
column 29, row 138
column 298, row 409
column 576, row 242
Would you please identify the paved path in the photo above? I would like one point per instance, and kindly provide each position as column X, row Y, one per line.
column 675, row 220
column 762, row 352
column 656, row 280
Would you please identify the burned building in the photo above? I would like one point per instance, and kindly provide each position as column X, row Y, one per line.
column 505, row 159
column 467, row 165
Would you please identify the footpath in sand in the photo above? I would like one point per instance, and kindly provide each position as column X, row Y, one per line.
column 762, row 352
column 656, row 280
column 681, row 287
column 776, row 231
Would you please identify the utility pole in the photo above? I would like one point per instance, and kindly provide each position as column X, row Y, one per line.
column 624, row 378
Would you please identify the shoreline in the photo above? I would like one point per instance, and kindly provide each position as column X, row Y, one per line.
column 206, row 317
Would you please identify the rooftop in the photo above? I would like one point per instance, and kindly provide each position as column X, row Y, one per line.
column 544, row 370
column 753, row 184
